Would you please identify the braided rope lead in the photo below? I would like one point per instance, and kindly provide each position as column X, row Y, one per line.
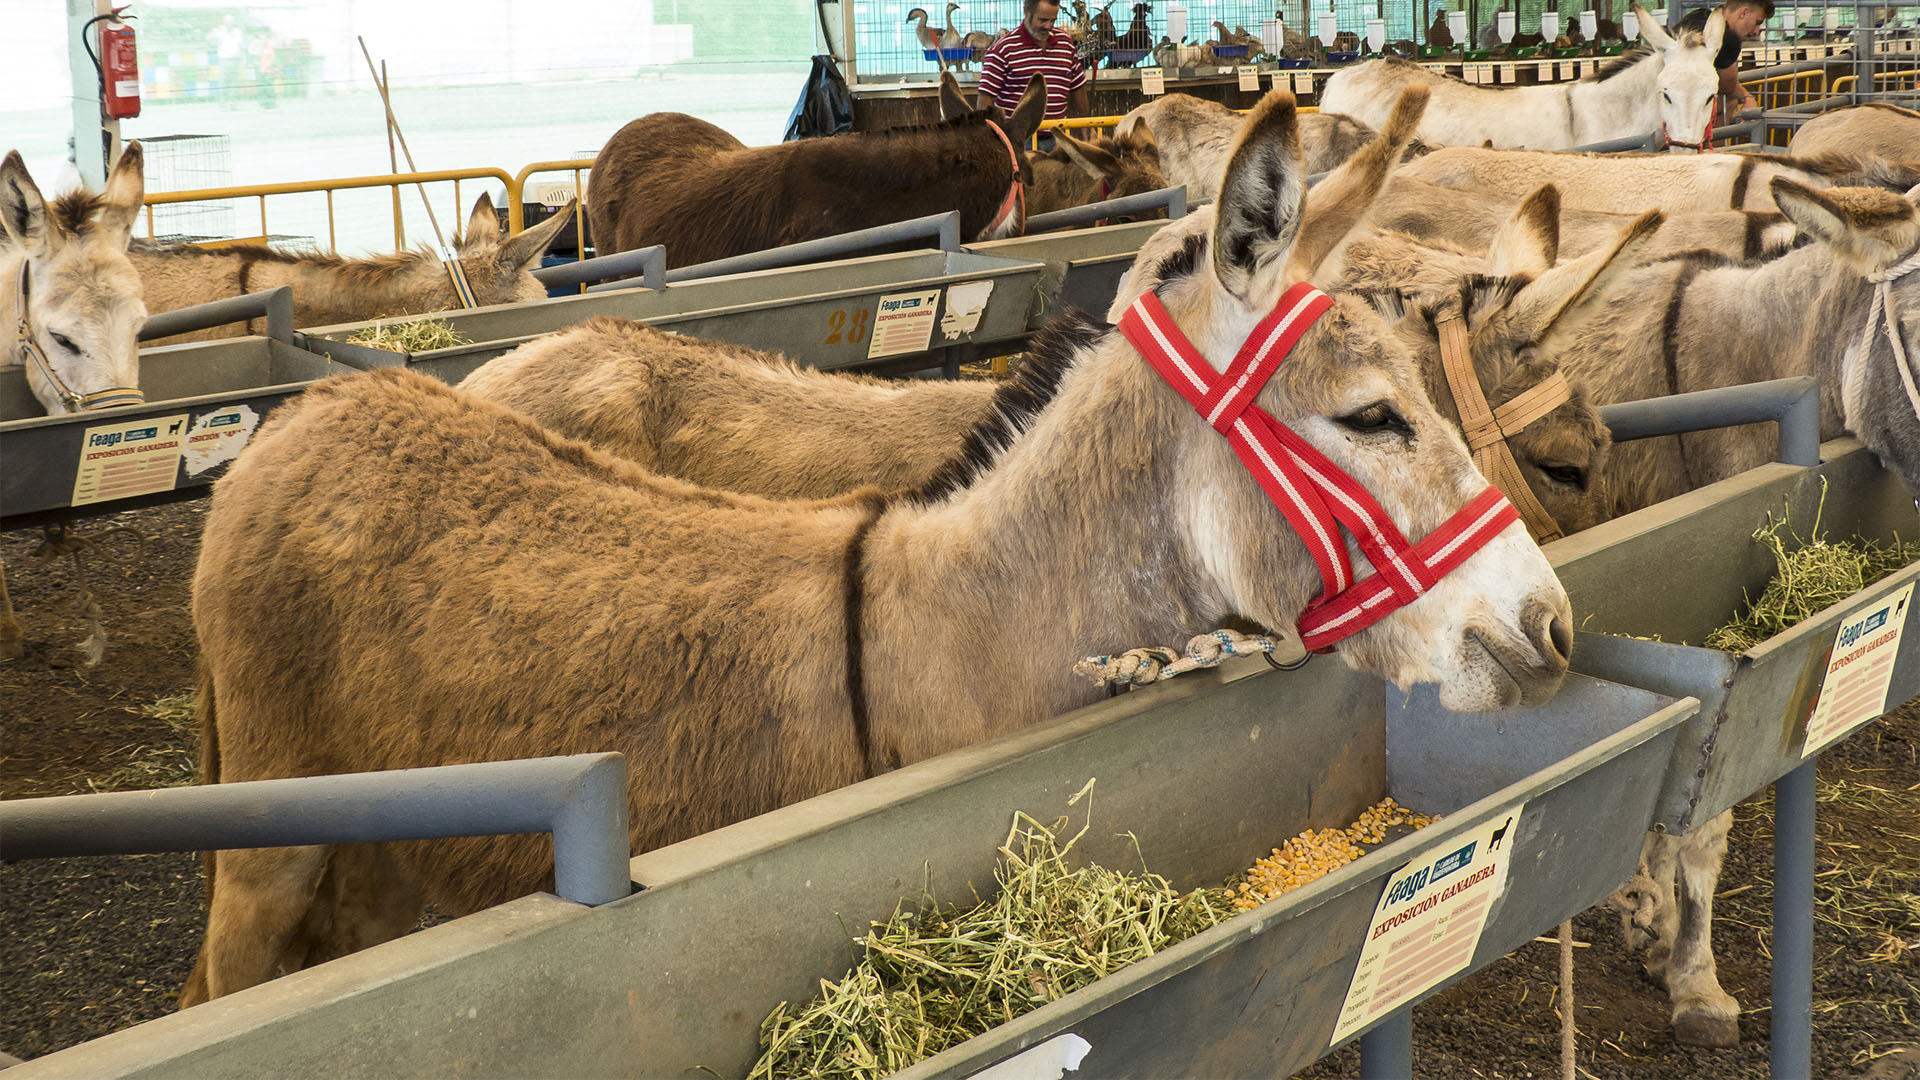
column 1152, row 664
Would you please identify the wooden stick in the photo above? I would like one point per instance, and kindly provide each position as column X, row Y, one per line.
column 393, row 124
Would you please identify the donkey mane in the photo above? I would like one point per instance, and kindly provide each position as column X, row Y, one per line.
column 1626, row 60
column 363, row 270
column 1481, row 291
column 1016, row 401
column 74, row 211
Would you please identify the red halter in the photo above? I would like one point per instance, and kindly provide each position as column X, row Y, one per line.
column 1314, row 494
column 1705, row 144
column 1016, row 194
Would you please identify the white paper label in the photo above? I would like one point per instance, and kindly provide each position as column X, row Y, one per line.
column 903, row 323
column 1507, row 74
column 966, row 302
column 1153, row 82
column 1302, row 83
column 1048, row 1061
column 1569, row 69
column 1589, row 67
column 1859, row 669
column 217, row 437
column 1429, row 920
column 1543, row 71
column 1249, row 78
column 134, row 457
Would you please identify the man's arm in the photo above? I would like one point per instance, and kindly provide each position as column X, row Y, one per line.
column 1731, row 89
column 1077, row 102
column 985, row 101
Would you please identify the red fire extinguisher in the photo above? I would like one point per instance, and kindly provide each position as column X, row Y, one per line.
column 119, row 67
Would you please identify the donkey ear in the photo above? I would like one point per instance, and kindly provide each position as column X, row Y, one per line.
column 1028, row 114
column 1553, row 307
column 1262, row 197
column 525, row 249
column 126, row 190
column 1139, row 138
column 1655, row 34
column 1715, row 32
column 1866, row 227
column 484, row 222
column 23, row 213
column 953, row 103
column 1338, row 203
column 1528, row 242
column 1092, row 160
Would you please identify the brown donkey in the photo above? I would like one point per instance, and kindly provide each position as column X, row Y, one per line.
column 330, row 289
column 477, row 587
column 673, row 179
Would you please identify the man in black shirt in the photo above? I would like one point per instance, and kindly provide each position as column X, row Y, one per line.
column 1744, row 19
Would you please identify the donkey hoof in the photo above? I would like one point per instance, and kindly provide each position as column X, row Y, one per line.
column 1701, row 1027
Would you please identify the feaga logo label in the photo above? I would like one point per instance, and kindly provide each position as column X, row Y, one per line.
column 903, row 304
column 114, row 438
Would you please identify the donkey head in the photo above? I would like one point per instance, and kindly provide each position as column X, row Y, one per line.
column 1495, row 631
column 1518, row 310
column 1874, row 234
column 500, row 268
column 1688, row 79
column 1077, row 173
column 84, row 306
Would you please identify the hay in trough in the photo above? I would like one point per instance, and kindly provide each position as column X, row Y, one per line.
column 1814, row 576
column 933, row 978
column 420, row 335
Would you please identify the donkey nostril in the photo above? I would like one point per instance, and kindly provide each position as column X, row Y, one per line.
column 1562, row 637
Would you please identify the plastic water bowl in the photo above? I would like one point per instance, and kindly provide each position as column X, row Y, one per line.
column 948, row 54
column 1292, row 62
column 1342, row 57
column 1230, row 50
column 1126, row 56
column 1428, row 52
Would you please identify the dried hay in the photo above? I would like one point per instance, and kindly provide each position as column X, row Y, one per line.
column 932, row 978
column 421, row 335
column 1809, row 579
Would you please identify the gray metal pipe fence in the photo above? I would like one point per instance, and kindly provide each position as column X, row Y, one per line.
column 581, row 800
column 650, row 261
column 274, row 305
column 1172, row 199
column 943, row 227
column 1793, row 403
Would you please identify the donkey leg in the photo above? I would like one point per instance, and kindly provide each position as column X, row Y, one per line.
column 369, row 898
column 13, row 640
column 264, row 897
column 1703, row 1013
column 1645, row 903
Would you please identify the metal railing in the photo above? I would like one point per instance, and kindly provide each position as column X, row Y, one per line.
column 274, row 305
column 517, row 188
column 394, row 182
column 650, row 261
column 1171, row 199
column 1793, row 403
column 943, row 227
column 581, row 800
column 1905, row 77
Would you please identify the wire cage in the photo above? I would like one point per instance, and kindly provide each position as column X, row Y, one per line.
column 190, row 163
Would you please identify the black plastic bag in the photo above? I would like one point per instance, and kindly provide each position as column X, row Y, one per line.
column 825, row 106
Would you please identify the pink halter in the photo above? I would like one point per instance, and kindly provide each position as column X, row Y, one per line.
column 1314, row 494
column 1016, row 194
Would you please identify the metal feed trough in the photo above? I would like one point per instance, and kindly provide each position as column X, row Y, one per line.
column 204, row 400
column 822, row 314
column 1209, row 771
column 1084, row 266
column 1677, row 570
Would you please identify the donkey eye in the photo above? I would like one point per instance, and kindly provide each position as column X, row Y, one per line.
column 1571, row 475
column 62, row 341
column 1376, row 418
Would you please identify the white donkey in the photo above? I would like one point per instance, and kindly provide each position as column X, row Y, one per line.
column 1667, row 83
column 71, row 300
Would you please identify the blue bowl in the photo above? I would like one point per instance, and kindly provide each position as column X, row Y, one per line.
column 1293, row 62
column 1230, row 50
column 1342, row 57
column 948, row 54
column 1126, row 56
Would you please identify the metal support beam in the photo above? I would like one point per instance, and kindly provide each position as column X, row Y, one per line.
column 944, row 227
column 95, row 139
column 274, row 305
column 581, row 800
column 1792, row 403
column 1386, row 1052
column 1792, row 1038
column 1173, row 199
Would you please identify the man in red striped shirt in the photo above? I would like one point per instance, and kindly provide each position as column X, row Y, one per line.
column 1036, row 48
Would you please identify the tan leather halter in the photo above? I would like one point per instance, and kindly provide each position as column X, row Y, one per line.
column 1487, row 429
column 36, row 357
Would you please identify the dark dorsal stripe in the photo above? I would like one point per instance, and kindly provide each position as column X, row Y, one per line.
column 853, row 610
column 1181, row 263
column 1741, row 179
column 1016, row 401
column 1757, row 224
column 1670, row 350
